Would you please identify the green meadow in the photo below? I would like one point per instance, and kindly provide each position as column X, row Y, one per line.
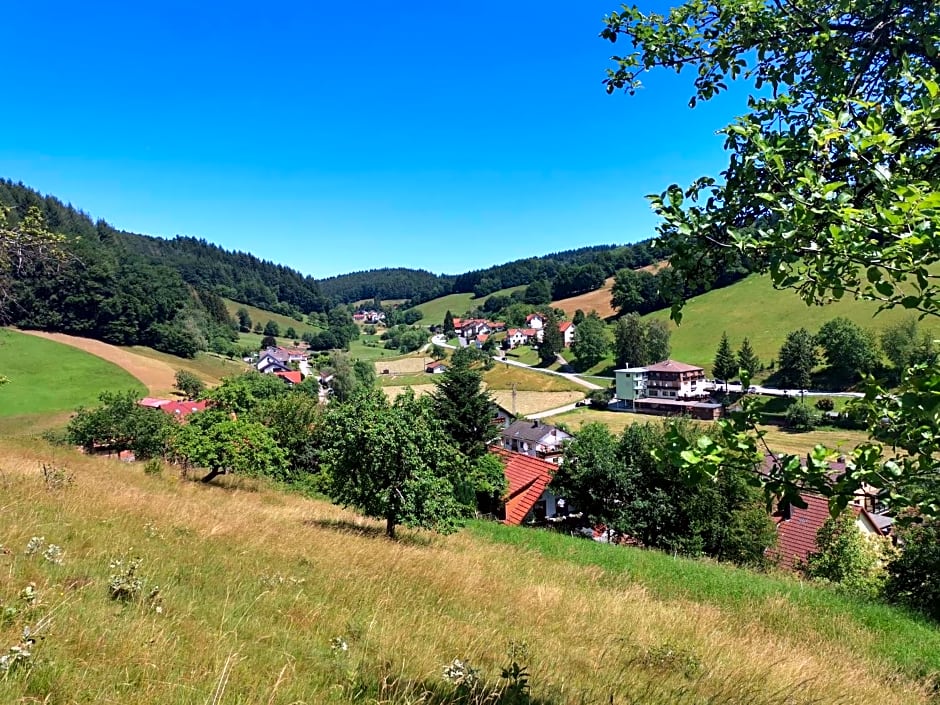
column 47, row 377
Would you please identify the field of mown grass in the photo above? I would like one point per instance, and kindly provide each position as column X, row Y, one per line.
column 435, row 309
column 254, row 584
column 753, row 308
column 46, row 376
column 261, row 316
column 210, row 368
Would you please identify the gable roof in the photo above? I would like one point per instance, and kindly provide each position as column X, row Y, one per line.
column 292, row 376
column 533, row 431
column 565, row 325
column 153, row 403
column 527, row 477
column 673, row 366
column 534, row 315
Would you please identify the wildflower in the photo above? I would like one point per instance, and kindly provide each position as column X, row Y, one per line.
column 53, row 554
column 339, row 645
column 461, row 673
column 35, row 545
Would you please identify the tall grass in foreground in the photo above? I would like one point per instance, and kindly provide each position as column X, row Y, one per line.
column 248, row 595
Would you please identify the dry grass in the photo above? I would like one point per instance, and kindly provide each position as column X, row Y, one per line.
column 255, row 583
column 403, row 365
column 779, row 440
column 504, row 376
column 393, row 392
column 597, row 300
column 534, row 402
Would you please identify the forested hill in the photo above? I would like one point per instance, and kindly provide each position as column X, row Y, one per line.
column 236, row 275
column 570, row 272
column 417, row 285
column 131, row 289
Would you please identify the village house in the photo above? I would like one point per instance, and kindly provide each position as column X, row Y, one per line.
column 528, row 499
column 797, row 528
column 291, row 377
column 667, row 388
column 515, row 337
column 435, row 368
column 176, row 409
column 535, row 320
column 567, row 329
column 536, row 439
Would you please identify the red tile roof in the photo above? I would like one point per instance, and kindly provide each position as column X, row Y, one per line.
column 672, row 366
column 182, row 409
column 528, row 477
column 796, row 536
column 294, row 377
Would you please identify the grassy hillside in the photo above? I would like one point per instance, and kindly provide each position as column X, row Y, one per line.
column 46, row 376
column 435, row 309
column 753, row 308
column 261, row 316
column 597, row 300
column 242, row 615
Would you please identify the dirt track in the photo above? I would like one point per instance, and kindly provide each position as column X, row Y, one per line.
column 158, row 376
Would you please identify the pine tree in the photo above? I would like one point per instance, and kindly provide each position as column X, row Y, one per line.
column 747, row 358
column 449, row 324
column 464, row 407
column 552, row 340
column 725, row 366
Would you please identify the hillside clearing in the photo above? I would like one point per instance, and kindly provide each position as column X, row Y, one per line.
column 261, row 316
column 435, row 309
column 242, row 606
column 157, row 375
column 48, row 376
column 597, row 300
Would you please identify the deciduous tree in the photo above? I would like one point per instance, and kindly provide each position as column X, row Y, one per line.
column 189, row 384
column 797, row 358
column 847, row 348
column 590, row 341
column 394, row 462
column 831, row 189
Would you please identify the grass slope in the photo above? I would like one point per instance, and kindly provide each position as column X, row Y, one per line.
column 753, row 308
column 435, row 309
column 247, row 616
column 46, row 376
column 261, row 316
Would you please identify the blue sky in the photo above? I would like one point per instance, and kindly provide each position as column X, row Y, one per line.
column 334, row 138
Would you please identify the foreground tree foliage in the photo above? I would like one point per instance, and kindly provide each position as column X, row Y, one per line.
column 220, row 444
column 832, row 188
column 394, row 462
column 617, row 482
column 120, row 424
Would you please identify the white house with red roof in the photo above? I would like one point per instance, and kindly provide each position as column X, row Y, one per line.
column 567, row 329
column 535, row 320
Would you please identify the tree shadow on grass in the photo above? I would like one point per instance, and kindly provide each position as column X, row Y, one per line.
column 369, row 531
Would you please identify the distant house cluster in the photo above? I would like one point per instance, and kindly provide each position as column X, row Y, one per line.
column 534, row 331
column 369, row 317
column 278, row 360
column 665, row 388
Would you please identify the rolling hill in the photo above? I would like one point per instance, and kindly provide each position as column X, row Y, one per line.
column 435, row 309
column 753, row 308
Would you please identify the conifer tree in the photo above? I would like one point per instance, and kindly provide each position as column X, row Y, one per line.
column 725, row 366
column 747, row 358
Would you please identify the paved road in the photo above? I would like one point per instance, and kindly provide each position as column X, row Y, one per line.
column 774, row 392
column 441, row 341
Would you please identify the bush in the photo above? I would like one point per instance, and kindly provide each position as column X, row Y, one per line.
column 825, row 404
column 599, row 398
column 914, row 576
column 800, row 417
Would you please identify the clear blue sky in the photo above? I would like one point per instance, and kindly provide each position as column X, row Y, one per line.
column 333, row 138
